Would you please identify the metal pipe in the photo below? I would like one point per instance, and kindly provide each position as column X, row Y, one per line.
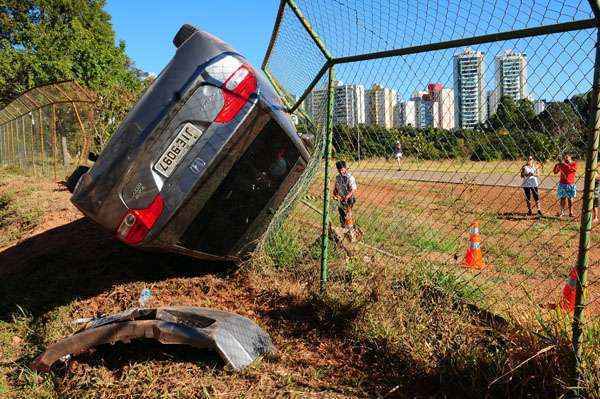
column 328, row 143
column 591, row 166
column 274, row 34
column 86, row 143
column 53, row 138
column 42, row 148
column 469, row 41
column 311, row 86
column 310, row 29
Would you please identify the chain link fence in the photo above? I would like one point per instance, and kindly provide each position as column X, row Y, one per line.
column 460, row 122
column 48, row 130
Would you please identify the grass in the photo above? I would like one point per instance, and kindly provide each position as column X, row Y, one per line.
column 18, row 215
column 451, row 165
column 399, row 325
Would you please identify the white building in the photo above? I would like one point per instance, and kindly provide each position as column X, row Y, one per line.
column 427, row 113
column 315, row 105
column 431, row 108
column 539, row 106
column 348, row 108
column 511, row 75
column 380, row 103
column 469, row 89
column 349, row 105
column 444, row 99
column 492, row 102
column 406, row 114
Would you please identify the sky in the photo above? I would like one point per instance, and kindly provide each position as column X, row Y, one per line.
column 559, row 65
column 148, row 26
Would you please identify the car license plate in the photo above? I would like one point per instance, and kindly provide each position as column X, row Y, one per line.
column 177, row 150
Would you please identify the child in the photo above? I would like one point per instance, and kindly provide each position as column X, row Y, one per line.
column 344, row 191
column 566, row 190
column 398, row 153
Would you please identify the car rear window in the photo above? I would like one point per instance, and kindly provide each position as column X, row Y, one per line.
column 243, row 193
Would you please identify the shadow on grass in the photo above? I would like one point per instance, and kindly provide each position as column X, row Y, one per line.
column 80, row 260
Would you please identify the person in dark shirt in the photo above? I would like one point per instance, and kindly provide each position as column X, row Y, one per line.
column 344, row 192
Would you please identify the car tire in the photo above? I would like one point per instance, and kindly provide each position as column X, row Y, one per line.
column 72, row 180
column 185, row 32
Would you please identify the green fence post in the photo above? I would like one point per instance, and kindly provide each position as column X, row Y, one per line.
column 591, row 165
column 328, row 141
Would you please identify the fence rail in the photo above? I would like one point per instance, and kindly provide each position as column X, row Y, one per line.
column 47, row 130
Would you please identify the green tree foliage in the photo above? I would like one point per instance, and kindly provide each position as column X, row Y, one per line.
column 513, row 132
column 45, row 41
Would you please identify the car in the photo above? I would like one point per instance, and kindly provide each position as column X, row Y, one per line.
column 202, row 162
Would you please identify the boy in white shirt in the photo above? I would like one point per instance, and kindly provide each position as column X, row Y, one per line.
column 344, row 192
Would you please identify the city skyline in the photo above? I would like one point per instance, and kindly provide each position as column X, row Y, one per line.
column 465, row 104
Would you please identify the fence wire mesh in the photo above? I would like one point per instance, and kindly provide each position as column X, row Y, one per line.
column 48, row 130
column 445, row 122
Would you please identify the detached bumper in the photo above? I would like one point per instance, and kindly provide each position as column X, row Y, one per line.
column 238, row 340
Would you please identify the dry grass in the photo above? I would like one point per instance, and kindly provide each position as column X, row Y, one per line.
column 451, row 165
column 393, row 329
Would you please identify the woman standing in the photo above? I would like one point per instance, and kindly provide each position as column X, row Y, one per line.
column 530, row 184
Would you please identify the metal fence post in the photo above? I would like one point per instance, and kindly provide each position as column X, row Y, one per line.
column 328, row 143
column 42, row 147
column 53, row 133
column 591, row 165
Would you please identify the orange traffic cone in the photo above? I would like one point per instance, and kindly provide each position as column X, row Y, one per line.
column 474, row 257
column 567, row 303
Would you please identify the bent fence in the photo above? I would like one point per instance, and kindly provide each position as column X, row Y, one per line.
column 435, row 107
column 47, row 130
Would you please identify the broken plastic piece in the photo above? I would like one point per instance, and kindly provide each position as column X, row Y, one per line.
column 238, row 340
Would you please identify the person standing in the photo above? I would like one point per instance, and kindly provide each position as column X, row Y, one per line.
column 398, row 153
column 566, row 190
column 530, row 185
column 344, row 192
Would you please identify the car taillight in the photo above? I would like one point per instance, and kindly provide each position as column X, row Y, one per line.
column 237, row 89
column 137, row 222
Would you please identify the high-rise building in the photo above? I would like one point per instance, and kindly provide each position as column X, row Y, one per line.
column 348, row 108
column 431, row 108
column 443, row 99
column 315, row 105
column 380, row 102
column 406, row 114
column 469, row 89
column 539, row 106
column 427, row 113
column 349, row 105
column 492, row 102
column 511, row 75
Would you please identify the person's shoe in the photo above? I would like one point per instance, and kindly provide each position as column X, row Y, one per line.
column 529, row 212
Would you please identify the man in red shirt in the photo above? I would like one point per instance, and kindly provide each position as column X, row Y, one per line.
column 566, row 190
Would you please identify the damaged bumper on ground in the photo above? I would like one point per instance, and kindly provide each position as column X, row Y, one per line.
column 238, row 340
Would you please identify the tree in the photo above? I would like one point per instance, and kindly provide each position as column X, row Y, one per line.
column 45, row 41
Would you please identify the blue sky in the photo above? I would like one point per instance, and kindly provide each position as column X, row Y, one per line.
column 148, row 26
column 559, row 66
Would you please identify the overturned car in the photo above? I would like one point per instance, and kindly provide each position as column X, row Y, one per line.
column 202, row 162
